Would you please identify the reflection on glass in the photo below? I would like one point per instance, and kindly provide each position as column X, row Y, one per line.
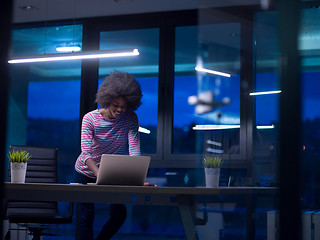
column 47, row 110
column 145, row 68
column 266, row 132
column 42, row 40
column 309, row 49
column 44, row 101
column 209, row 96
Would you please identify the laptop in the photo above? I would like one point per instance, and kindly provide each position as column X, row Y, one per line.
column 123, row 170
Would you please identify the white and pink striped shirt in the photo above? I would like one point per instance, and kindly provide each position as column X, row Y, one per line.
column 107, row 136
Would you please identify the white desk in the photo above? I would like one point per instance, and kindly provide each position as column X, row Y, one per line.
column 183, row 197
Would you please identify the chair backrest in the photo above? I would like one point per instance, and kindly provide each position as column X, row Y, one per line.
column 41, row 168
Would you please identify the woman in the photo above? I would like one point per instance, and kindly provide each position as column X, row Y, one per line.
column 107, row 130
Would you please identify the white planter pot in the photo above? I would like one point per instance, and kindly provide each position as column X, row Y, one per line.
column 18, row 172
column 212, row 177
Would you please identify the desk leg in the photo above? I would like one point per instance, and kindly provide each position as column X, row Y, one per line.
column 186, row 212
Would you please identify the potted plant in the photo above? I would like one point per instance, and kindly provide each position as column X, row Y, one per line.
column 212, row 165
column 18, row 165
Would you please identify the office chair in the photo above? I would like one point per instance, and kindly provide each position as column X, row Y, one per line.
column 37, row 217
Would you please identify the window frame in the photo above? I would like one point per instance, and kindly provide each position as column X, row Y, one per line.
column 166, row 22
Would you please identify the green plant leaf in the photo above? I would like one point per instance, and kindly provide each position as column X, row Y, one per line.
column 212, row 162
column 19, row 156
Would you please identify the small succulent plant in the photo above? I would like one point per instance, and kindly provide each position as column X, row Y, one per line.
column 212, row 162
column 20, row 156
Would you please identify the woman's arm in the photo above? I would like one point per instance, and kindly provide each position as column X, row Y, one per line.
column 92, row 166
column 86, row 143
column 133, row 137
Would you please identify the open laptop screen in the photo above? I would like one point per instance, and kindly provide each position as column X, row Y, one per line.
column 123, row 170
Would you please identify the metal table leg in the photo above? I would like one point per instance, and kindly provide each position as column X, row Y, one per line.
column 186, row 211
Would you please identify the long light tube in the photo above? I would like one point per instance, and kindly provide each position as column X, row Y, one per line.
column 144, row 130
column 77, row 55
column 213, row 150
column 214, row 143
column 200, row 69
column 214, row 127
column 68, row 49
column 264, row 93
column 220, row 127
column 266, row 127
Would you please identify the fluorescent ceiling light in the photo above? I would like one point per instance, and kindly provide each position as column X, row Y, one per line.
column 76, row 56
column 200, row 69
column 144, row 130
column 213, row 150
column 214, row 127
column 220, row 127
column 264, row 93
column 68, row 49
column 265, row 127
column 214, row 143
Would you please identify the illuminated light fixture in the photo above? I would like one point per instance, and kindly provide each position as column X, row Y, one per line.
column 264, row 93
column 77, row 55
column 220, row 127
column 68, row 49
column 200, row 69
column 144, row 130
column 212, row 150
column 214, row 127
column 265, row 127
column 214, row 143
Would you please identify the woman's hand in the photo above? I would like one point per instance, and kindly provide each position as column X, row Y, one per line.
column 149, row 184
column 92, row 166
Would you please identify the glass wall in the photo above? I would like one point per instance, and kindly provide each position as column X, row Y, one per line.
column 206, row 103
column 45, row 39
column 309, row 50
column 44, row 102
column 233, row 112
column 145, row 68
column 44, row 98
column 267, row 145
column 267, row 99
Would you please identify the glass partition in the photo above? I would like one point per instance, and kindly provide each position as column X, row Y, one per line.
column 309, row 50
column 206, row 117
column 44, row 98
column 45, row 39
column 145, row 68
column 228, row 71
column 266, row 97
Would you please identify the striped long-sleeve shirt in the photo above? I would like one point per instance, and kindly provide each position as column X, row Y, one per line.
column 107, row 136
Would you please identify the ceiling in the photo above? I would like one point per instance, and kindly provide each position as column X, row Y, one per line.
column 28, row 11
column 45, row 10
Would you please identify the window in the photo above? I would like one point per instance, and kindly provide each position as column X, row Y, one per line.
column 145, row 68
column 266, row 127
column 309, row 50
column 44, row 102
column 205, row 103
column 40, row 40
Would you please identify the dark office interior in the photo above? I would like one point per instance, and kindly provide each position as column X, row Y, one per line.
column 255, row 104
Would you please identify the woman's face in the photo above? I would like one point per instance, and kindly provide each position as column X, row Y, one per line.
column 117, row 107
